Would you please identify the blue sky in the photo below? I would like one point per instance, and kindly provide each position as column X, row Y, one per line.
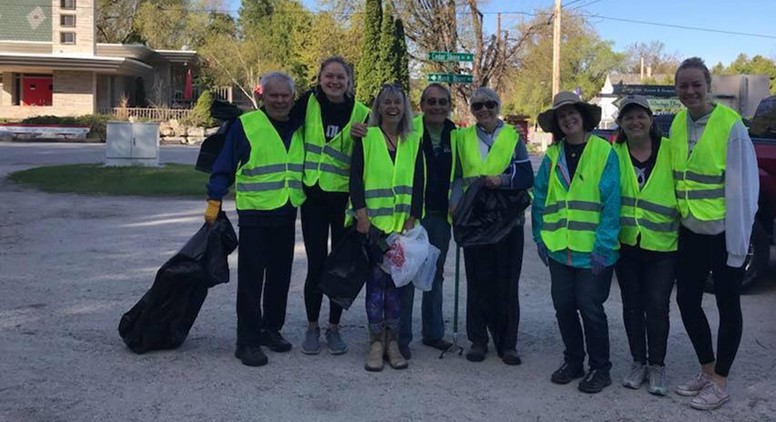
column 743, row 16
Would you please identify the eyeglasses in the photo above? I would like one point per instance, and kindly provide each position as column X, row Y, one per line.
column 490, row 105
column 433, row 101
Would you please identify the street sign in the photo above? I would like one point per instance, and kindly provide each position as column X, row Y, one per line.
column 452, row 78
column 447, row 56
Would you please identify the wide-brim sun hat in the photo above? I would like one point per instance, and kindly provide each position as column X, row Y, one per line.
column 590, row 112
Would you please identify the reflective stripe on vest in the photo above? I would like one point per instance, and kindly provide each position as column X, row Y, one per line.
column 388, row 183
column 700, row 176
column 328, row 163
column 651, row 211
column 273, row 175
column 466, row 144
column 571, row 216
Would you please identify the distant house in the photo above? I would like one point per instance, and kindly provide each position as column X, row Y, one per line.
column 50, row 63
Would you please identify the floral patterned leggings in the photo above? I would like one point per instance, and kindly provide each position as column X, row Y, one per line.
column 383, row 302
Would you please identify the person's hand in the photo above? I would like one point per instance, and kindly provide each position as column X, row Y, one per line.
column 544, row 255
column 358, row 130
column 211, row 212
column 362, row 225
column 493, row 181
column 409, row 224
column 597, row 264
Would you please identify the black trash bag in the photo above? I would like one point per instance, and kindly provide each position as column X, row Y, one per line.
column 346, row 269
column 162, row 318
column 485, row 216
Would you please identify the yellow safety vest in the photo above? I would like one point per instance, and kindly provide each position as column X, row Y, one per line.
column 652, row 211
column 572, row 216
column 465, row 143
column 388, row 183
column 700, row 176
column 328, row 163
column 273, row 175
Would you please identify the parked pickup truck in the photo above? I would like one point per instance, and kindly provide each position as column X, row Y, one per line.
column 762, row 130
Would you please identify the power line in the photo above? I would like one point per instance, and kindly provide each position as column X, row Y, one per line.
column 586, row 4
column 691, row 28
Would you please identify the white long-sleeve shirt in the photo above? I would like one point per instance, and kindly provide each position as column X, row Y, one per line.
column 742, row 188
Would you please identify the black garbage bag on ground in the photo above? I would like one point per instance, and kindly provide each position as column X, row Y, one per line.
column 346, row 268
column 162, row 318
column 484, row 216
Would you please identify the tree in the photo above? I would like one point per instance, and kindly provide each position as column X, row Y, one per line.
column 329, row 37
column 455, row 25
column 757, row 65
column 368, row 80
column 585, row 62
column 655, row 58
column 114, row 21
column 401, row 56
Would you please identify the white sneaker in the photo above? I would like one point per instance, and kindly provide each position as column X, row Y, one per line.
column 657, row 380
column 693, row 386
column 636, row 376
column 711, row 397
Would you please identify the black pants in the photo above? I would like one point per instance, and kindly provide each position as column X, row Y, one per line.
column 646, row 280
column 577, row 292
column 264, row 261
column 492, row 278
column 320, row 213
column 698, row 254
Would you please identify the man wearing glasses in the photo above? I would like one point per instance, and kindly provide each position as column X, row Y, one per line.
column 436, row 126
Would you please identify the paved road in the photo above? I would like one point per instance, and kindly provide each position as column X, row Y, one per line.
column 70, row 265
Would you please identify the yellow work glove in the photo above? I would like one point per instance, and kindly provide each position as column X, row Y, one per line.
column 211, row 212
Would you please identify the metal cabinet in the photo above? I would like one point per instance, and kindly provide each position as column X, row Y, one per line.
column 130, row 144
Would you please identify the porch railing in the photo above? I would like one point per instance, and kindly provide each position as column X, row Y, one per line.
column 149, row 114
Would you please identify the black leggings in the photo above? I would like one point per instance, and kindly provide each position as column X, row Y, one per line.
column 697, row 255
column 321, row 212
column 646, row 280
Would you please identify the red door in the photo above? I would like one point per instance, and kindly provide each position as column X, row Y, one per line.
column 36, row 90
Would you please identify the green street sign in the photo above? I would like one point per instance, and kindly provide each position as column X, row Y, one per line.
column 452, row 78
column 446, row 56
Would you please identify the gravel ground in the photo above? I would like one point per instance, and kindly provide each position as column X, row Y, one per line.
column 71, row 265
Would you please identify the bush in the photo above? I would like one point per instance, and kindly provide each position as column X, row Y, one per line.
column 97, row 123
column 200, row 114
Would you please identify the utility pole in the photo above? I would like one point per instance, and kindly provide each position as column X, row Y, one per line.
column 556, row 49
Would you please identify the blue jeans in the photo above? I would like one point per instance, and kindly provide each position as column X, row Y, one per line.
column 577, row 292
column 433, row 323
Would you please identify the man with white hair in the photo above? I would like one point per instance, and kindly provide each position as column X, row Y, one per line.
column 263, row 156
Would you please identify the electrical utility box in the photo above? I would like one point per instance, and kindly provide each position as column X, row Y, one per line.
column 132, row 144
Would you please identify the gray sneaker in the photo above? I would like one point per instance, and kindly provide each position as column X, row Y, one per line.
column 693, row 386
column 657, row 380
column 312, row 341
column 636, row 376
column 336, row 345
column 711, row 397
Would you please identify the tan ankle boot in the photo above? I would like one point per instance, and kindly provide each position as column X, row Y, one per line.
column 374, row 360
column 395, row 359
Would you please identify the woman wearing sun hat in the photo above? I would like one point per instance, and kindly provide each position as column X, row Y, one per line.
column 649, row 235
column 576, row 222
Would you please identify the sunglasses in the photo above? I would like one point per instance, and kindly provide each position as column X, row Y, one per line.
column 490, row 105
column 433, row 101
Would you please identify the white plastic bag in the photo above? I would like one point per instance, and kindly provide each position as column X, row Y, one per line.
column 407, row 253
column 424, row 280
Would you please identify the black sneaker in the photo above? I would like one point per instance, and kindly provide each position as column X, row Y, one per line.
column 274, row 341
column 566, row 373
column 439, row 344
column 251, row 355
column 595, row 381
column 476, row 353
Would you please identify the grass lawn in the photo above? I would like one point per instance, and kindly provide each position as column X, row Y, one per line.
column 95, row 179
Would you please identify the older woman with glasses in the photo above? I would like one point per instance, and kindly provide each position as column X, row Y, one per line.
column 492, row 150
column 386, row 166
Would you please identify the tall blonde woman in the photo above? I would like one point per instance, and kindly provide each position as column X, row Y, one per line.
column 715, row 169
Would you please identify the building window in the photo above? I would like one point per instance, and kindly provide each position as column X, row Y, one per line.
column 67, row 21
column 67, row 4
column 67, row 37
